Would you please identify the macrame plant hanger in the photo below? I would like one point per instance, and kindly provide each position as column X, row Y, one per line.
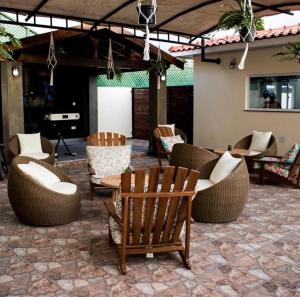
column 160, row 71
column 147, row 19
column 51, row 60
column 250, row 33
column 110, row 62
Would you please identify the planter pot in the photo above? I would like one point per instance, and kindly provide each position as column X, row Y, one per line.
column 110, row 75
column 147, row 10
column 246, row 35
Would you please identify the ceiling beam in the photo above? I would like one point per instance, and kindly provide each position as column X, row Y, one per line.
column 273, row 8
column 36, row 10
column 116, row 10
column 83, row 62
column 198, row 6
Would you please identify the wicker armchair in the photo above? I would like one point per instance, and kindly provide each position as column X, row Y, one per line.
column 165, row 131
column 245, row 144
column 47, row 146
column 36, row 205
column 190, row 156
column 224, row 201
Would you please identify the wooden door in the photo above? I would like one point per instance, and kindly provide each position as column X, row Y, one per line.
column 140, row 113
column 181, row 108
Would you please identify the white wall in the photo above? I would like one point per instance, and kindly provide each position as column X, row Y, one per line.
column 219, row 101
column 115, row 110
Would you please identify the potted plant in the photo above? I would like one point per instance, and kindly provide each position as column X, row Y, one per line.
column 242, row 20
column 147, row 10
column 158, row 66
column 112, row 73
column 291, row 52
column 8, row 45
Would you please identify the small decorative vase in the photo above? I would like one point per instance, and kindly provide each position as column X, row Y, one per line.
column 229, row 148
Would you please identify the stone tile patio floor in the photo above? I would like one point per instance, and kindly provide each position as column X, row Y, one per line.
column 258, row 255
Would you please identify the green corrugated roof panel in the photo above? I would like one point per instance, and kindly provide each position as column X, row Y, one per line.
column 16, row 30
column 140, row 79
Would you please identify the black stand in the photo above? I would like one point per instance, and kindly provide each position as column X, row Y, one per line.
column 59, row 139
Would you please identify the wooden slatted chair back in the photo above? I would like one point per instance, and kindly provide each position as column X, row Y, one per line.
column 153, row 216
column 106, row 139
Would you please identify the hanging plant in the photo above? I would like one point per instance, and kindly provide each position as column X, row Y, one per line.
column 8, row 43
column 291, row 52
column 147, row 11
column 110, row 73
column 51, row 60
column 243, row 21
column 147, row 16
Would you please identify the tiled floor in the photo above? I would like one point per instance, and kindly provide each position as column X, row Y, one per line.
column 257, row 256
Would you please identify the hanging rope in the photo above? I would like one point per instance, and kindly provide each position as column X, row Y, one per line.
column 147, row 19
column 160, row 71
column 110, row 62
column 250, row 33
column 51, row 60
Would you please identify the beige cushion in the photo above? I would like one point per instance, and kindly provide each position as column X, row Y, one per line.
column 30, row 143
column 260, row 141
column 224, row 167
column 203, row 184
column 253, row 153
column 172, row 126
column 39, row 173
column 63, row 188
column 38, row 156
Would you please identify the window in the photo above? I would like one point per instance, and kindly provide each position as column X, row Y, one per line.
column 275, row 93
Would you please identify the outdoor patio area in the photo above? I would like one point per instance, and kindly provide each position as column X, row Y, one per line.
column 258, row 255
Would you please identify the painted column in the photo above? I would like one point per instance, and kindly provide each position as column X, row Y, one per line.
column 93, row 104
column 12, row 100
column 157, row 105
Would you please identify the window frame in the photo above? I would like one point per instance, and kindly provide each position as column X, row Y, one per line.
column 260, row 109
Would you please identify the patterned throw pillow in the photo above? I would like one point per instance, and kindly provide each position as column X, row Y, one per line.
column 168, row 142
column 291, row 155
column 278, row 169
column 108, row 160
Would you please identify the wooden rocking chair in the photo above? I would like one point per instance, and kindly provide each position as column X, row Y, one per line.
column 164, row 132
column 106, row 139
column 151, row 221
column 291, row 176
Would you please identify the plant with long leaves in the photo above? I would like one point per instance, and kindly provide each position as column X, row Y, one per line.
column 238, row 18
column 8, row 43
column 291, row 52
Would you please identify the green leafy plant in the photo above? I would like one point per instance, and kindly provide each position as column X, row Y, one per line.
column 157, row 66
column 291, row 52
column 238, row 18
column 8, row 42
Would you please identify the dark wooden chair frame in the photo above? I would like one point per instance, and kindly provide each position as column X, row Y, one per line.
column 263, row 173
column 165, row 131
column 169, row 220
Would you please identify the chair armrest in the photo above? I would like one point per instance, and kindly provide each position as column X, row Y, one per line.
column 110, row 207
column 271, row 162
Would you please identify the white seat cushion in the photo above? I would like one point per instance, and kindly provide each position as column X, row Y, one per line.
column 203, row 184
column 253, row 153
column 63, row 188
column 260, row 141
column 30, row 143
column 39, row 173
column 38, row 156
column 224, row 167
column 172, row 126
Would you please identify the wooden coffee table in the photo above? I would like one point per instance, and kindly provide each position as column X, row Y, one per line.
column 241, row 152
column 114, row 182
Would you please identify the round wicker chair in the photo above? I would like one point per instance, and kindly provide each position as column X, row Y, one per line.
column 190, row 156
column 245, row 144
column 47, row 146
column 224, row 201
column 36, row 205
